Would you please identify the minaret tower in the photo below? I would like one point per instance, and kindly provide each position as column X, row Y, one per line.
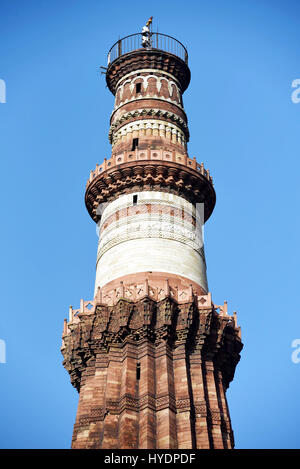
column 151, row 355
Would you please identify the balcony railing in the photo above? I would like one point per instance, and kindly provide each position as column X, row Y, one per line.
column 157, row 41
column 154, row 155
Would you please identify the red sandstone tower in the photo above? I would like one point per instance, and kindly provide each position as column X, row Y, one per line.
column 151, row 355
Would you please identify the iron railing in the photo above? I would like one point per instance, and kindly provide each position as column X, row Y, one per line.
column 156, row 41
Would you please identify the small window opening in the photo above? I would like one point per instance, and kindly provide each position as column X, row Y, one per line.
column 138, row 87
column 134, row 199
column 135, row 144
column 138, row 371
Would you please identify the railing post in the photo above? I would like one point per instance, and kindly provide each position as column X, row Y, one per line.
column 119, row 48
column 65, row 327
column 156, row 40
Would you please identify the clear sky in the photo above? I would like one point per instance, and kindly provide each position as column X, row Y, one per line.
column 244, row 126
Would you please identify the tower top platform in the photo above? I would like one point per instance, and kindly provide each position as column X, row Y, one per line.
column 157, row 41
column 161, row 51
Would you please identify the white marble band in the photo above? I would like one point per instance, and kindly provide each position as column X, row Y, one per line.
column 146, row 241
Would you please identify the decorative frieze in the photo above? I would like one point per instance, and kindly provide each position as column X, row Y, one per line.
column 97, row 324
column 118, row 127
column 143, row 77
column 155, row 215
column 149, row 127
column 160, row 154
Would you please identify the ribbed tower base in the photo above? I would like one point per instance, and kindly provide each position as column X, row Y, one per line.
column 152, row 374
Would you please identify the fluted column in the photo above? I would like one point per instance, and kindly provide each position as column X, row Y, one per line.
column 112, row 396
column 166, row 429
column 147, row 383
column 183, row 399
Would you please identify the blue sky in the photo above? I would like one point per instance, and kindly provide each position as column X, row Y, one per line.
column 244, row 126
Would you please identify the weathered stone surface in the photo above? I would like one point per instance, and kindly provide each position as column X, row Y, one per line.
column 152, row 374
column 151, row 356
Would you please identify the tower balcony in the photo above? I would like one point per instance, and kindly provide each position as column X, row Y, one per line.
column 157, row 41
column 163, row 53
column 154, row 155
column 150, row 170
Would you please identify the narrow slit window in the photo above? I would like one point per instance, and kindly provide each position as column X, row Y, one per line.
column 138, row 87
column 138, row 371
column 134, row 200
column 135, row 144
